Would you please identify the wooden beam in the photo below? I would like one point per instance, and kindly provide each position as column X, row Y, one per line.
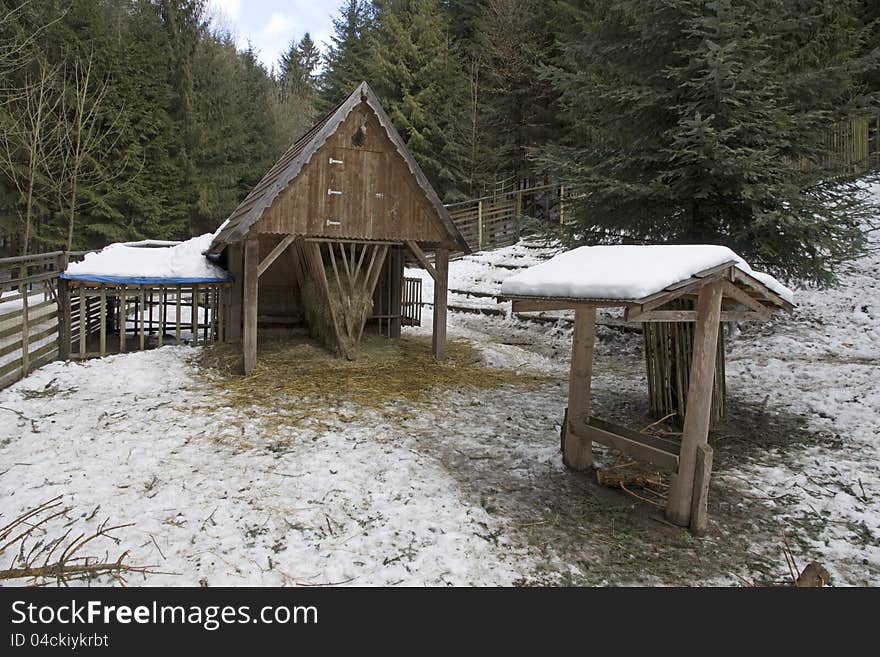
column 317, row 267
column 638, row 448
column 250, row 290
column 699, row 505
column 758, row 286
column 699, row 404
column 441, row 293
column 280, row 248
column 540, row 305
column 632, row 315
column 744, row 298
column 64, row 315
column 416, row 250
column 235, row 263
column 577, row 451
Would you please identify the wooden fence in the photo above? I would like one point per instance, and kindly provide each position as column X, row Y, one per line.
column 499, row 220
column 28, row 313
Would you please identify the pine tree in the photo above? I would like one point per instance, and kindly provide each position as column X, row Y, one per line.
column 689, row 121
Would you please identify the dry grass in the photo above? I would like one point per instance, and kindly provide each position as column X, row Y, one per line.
column 298, row 377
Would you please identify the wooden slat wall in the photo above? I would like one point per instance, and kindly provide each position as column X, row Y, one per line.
column 374, row 196
column 28, row 314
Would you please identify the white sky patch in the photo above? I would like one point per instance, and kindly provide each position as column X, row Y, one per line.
column 270, row 25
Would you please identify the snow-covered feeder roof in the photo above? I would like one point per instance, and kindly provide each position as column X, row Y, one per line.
column 629, row 274
column 149, row 263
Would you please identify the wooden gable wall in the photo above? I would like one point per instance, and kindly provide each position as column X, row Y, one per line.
column 379, row 200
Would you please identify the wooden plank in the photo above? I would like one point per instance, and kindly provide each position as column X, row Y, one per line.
column 103, row 314
column 699, row 402
column 657, row 442
column 441, row 287
column 637, row 449
column 578, row 450
column 699, row 505
column 416, row 250
column 274, row 253
column 742, row 297
column 250, row 290
column 83, row 321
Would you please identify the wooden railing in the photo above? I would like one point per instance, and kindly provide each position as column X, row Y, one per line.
column 499, row 220
column 411, row 302
column 28, row 313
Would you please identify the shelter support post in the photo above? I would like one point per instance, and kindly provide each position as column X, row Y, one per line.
column 232, row 333
column 441, row 288
column 577, row 449
column 251, row 282
column 697, row 417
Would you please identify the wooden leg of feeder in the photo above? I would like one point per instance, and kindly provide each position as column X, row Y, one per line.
column 699, row 505
column 251, row 281
column 699, row 405
column 578, row 451
column 441, row 288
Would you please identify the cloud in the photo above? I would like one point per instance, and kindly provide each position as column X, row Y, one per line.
column 230, row 9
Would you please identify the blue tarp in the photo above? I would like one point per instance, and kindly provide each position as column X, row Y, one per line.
column 133, row 280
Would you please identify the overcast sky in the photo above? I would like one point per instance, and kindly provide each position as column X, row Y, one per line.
column 270, row 25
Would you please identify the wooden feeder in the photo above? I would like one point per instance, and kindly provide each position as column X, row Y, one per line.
column 721, row 293
column 337, row 216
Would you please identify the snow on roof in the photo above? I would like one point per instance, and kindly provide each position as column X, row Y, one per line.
column 183, row 262
column 625, row 272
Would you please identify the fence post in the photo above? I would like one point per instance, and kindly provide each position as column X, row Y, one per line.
column 480, row 224
column 63, row 300
column 25, row 327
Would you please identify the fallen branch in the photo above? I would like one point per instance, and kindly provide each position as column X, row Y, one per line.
column 62, row 559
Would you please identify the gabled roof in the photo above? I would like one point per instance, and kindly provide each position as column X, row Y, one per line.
column 261, row 197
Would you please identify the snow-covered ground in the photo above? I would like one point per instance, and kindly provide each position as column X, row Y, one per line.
column 467, row 487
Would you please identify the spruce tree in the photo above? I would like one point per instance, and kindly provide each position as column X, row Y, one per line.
column 704, row 122
column 346, row 63
column 418, row 76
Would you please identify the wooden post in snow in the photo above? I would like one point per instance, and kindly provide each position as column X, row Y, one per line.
column 577, row 450
column 696, row 420
column 64, row 338
column 251, row 284
column 441, row 288
column 234, row 307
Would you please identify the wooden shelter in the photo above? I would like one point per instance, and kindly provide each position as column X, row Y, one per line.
column 721, row 293
column 336, row 216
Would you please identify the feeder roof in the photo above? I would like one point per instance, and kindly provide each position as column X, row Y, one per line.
column 629, row 274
